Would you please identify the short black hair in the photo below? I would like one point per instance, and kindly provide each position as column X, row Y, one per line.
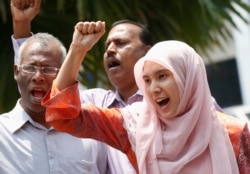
column 145, row 36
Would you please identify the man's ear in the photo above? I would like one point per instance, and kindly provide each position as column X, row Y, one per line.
column 16, row 71
column 147, row 48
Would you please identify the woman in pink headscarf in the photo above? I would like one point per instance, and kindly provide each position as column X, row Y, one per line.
column 179, row 110
column 175, row 130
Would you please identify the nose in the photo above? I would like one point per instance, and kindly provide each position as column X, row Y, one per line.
column 38, row 75
column 154, row 87
column 111, row 49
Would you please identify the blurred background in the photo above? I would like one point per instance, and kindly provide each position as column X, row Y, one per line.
column 218, row 29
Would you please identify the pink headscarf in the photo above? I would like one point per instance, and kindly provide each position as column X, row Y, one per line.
column 194, row 141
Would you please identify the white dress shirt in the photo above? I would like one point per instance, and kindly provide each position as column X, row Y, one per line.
column 26, row 147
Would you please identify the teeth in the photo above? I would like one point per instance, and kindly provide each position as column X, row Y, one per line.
column 38, row 98
column 159, row 100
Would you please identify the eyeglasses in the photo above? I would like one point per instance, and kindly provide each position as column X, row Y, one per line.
column 33, row 69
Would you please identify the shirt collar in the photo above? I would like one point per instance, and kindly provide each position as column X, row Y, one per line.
column 18, row 117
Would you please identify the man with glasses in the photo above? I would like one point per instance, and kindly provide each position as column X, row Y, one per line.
column 28, row 144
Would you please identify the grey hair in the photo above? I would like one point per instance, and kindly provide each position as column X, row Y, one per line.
column 44, row 39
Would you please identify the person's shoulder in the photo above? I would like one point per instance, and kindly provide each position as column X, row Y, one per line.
column 95, row 91
column 5, row 121
column 14, row 117
column 5, row 116
column 235, row 127
column 230, row 120
column 97, row 96
column 134, row 108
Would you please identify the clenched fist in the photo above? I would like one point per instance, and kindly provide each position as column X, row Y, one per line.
column 86, row 34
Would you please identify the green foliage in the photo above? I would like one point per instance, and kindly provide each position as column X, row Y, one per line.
column 197, row 22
